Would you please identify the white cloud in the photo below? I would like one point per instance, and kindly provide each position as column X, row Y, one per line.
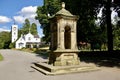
column 4, row 19
column 4, row 29
column 19, row 19
column 28, row 12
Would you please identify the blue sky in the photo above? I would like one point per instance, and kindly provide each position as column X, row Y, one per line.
column 18, row 11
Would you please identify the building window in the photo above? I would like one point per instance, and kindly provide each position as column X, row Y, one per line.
column 29, row 38
column 14, row 28
column 14, row 33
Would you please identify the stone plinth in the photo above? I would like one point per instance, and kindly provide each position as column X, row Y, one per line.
column 64, row 58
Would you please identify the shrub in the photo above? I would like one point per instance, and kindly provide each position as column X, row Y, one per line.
column 12, row 45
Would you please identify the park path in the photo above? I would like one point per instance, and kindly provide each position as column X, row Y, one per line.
column 17, row 66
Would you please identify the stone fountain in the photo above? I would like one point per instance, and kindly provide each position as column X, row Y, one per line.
column 63, row 55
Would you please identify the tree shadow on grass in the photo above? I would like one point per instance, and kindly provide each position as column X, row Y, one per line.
column 101, row 58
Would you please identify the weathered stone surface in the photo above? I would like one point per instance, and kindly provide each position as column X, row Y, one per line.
column 63, row 39
column 57, row 70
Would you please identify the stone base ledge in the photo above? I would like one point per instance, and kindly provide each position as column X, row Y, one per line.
column 66, row 50
column 57, row 70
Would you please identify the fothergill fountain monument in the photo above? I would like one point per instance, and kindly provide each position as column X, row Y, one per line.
column 63, row 55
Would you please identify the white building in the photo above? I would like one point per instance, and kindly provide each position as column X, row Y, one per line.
column 25, row 41
column 20, row 43
column 14, row 33
column 28, row 41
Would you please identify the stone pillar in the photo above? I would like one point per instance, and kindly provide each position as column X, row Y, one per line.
column 37, row 45
column 62, row 39
column 72, row 40
column 61, row 34
column 75, row 34
column 58, row 37
column 31, row 45
column 51, row 44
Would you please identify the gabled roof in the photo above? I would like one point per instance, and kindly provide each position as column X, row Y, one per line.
column 36, row 36
column 29, row 34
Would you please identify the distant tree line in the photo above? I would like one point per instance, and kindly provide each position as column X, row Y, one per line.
column 5, row 40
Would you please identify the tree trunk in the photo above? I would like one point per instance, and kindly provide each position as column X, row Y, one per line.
column 109, row 26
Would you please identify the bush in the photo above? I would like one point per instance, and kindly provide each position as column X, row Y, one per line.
column 12, row 45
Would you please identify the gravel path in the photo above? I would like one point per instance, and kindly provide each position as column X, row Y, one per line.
column 16, row 66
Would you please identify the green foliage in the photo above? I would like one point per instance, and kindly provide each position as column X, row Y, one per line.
column 33, row 29
column 5, row 40
column 87, row 11
column 50, row 7
column 1, row 57
column 87, row 30
column 27, row 27
column 19, row 32
column 12, row 45
column 116, row 37
column 1, row 44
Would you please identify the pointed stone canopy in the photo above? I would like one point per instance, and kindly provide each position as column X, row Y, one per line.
column 63, row 11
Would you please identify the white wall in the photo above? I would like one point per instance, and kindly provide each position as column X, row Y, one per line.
column 14, row 33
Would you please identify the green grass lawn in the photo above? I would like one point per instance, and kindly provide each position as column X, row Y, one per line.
column 1, row 57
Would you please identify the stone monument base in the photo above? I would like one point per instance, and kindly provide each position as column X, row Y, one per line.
column 47, row 69
column 64, row 57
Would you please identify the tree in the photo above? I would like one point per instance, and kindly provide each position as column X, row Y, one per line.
column 1, row 44
column 5, row 40
column 49, row 8
column 33, row 29
column 116, row 35
column 116, row 28
column 87, row 10
column 26, row 27
column 109, row 26
column 115, row 4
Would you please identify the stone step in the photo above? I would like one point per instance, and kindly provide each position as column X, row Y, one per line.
column 57, row 70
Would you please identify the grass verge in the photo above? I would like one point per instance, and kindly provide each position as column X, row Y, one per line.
column 1, row 57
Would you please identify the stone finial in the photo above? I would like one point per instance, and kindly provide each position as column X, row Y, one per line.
column 63, row 5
